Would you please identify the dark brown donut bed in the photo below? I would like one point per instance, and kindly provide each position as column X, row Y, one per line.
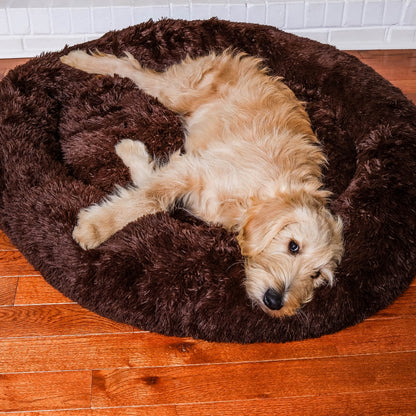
column 170, row 273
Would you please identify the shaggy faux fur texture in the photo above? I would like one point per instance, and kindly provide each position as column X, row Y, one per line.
column 171, row 273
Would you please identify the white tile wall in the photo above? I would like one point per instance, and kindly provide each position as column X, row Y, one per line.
column 40, row 22
column 315, row 14
column 295, row 15
column 409, row 14
column 4, row 25
column 373, row 13
column 256, row 11
column 28, row 27
column 353, row 13
column 81, row 20
column 393, row 12
column 18, row 19
column 334, row 13
column 61, row 21
column 276, row 14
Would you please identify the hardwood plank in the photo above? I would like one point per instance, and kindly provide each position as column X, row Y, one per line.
column 7, row 64
column 375, row 336
column 390, row 71
column 12, row 263
column 46, row 391
column 5, row 243
column 8, row 286
column 399, row 67
column 151, row 350
column 393, row 65
column 411, row 97
column 354, row 53
column 400, row 57
column 34, row 290
column 27, row 321
column 405, row 53
column 406, row 85
column 114, row 411
column 391, row 402
column 408, row 88
column 212, row 383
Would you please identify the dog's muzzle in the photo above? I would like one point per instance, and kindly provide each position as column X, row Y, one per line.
column 273, row 299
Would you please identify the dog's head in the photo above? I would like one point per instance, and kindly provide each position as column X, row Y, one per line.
column 292, row 245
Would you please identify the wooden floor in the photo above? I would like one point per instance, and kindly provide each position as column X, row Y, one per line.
column 59, row 359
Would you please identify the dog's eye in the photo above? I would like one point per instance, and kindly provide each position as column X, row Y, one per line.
column 316, row 275
column 293, row 247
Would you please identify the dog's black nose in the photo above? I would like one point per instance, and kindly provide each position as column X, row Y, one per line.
column 273, row 300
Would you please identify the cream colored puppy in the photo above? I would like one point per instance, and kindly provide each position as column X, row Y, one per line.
column 252, row 165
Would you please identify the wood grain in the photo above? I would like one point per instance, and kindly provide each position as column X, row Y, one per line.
column 147, row 386
column 29, row 321
column 12, row 263
column 5, row 243
column 8, row 287
column 7, row 64
column 59, row 359
column 34, row 290
column 126, row 350
column 114, row 411
column 390, row 402
column 390, row 65
column 404, row 305
column 45, row 391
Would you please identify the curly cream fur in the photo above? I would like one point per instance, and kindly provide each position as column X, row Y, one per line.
column 252, row 165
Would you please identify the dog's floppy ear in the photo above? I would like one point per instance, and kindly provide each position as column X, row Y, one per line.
column 261, row 225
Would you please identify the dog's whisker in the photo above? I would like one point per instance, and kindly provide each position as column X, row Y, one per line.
column 237, row 263
column 302, row 318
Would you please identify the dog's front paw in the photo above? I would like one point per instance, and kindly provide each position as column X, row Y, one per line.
column 89, row 232
column 134, row 155
column 132, row 151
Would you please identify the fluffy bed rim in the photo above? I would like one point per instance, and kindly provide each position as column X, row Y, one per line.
column 170, row 273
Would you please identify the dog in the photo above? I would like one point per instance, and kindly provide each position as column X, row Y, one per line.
column 252, row 165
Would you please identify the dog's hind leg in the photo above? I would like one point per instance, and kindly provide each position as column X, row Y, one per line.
column 183, row 87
